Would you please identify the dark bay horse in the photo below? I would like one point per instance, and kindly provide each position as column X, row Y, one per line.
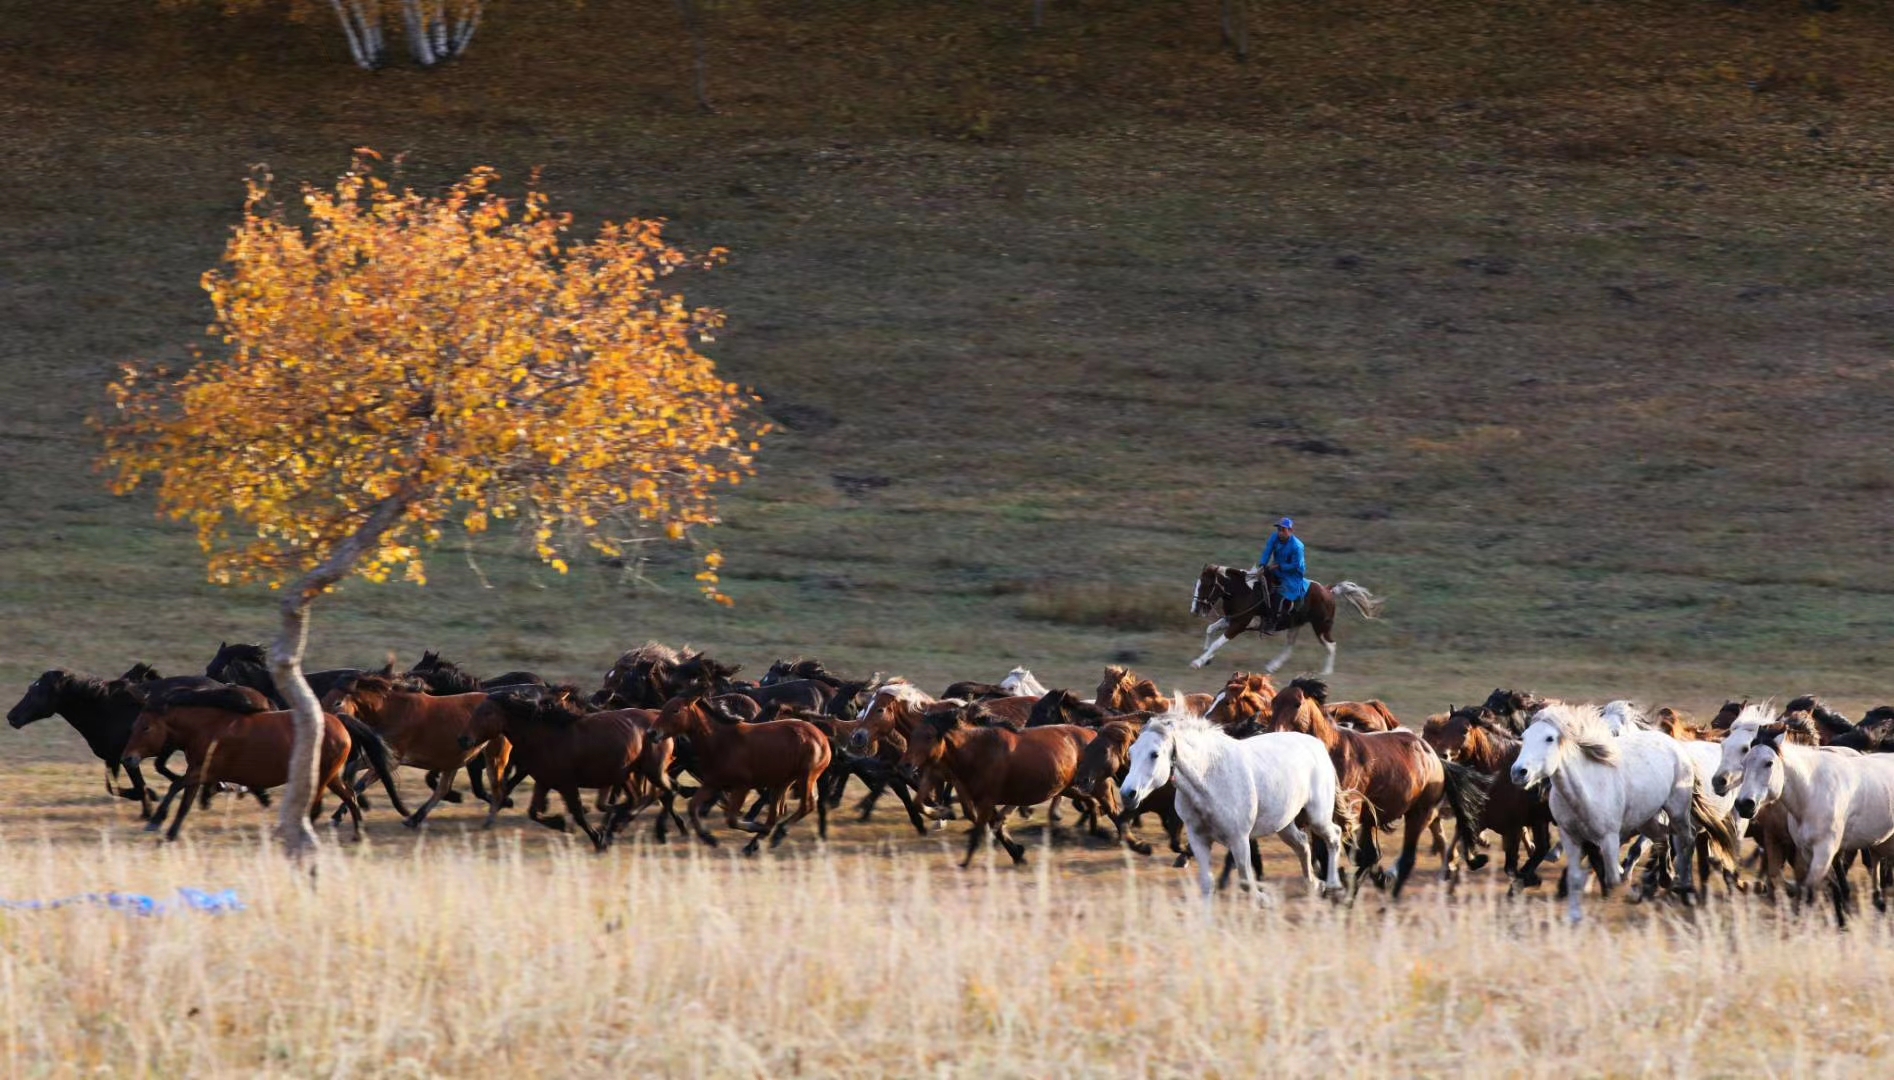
column 1476, row 737
column 1399, row 777
column 732, row 758
column 249, row 665
column 1225, row 592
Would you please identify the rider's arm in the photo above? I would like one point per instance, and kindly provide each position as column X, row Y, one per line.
column 1268, row 549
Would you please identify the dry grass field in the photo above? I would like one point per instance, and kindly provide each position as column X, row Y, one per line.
column 1565, row 325
column 464, row 951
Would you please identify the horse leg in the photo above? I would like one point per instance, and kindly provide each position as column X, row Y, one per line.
column 1415, row 824
column 1442, row 851
column 536, row 809
column 809, row 790
column 695, row 811
column 498, row 751
column 1288, row 646
column 973, row 843
column 184, row 805
column 442, row 786
column 156, row 821
column 1214, row 638
column 900, row 790
column 575, row 805
column 1541, row 851
column 1574, row 875
column 1298, row 842
column 1328, row 664
column 350, row 802
column 1201, row 851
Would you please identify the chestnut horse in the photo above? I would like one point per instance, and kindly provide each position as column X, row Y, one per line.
column 1243, row 704
column 732, row 759
column 1225, row 591
column 229, row 736
column 996, row 769
column 1474, row 736
column 1121, row 691
column 423, row 730
column 1399, row 777
column 1107, row 758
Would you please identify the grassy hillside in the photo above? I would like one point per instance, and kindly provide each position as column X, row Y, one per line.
column 1565, row 325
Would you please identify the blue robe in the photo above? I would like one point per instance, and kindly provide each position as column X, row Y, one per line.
column 1291, row 572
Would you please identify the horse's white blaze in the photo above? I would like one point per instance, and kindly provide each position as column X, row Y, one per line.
column 1605, row 787
column 1230, row 790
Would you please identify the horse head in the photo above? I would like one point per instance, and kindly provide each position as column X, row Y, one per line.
column 1150, row 761
column 1555, row 733
column 41, row 699
column 1763, row 772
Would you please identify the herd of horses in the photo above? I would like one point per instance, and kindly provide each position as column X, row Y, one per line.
column 1813, row 790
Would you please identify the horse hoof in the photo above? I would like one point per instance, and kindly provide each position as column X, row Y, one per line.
column 1140, row 847
column 751, row 847
column 1196, row 663
column 1478, row 862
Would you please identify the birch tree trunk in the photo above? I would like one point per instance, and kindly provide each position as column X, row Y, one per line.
column 286, row 667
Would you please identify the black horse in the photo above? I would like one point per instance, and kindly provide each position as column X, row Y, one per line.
column 249, row 665
column 102, row 713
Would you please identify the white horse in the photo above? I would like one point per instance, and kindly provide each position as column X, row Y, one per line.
column 1231, row 790
column 1621, row 716
column 1839, row 801
column 1605, row 787
column 1020, row 683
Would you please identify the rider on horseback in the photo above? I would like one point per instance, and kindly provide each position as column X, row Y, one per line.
column 1283, row 554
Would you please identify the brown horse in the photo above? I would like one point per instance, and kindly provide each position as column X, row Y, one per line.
column 563, row 748
column 732, row 759
column 421, row 729
column 1226, row 592
column 229, row 736
column 1121, row 691
column 1107, row 758
column 1371, row 715
column 1243, row 704
column 996, row 768
column 1473, row 736
column 1399, row 777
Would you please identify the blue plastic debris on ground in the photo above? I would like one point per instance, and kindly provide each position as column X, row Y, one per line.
column 215, row 903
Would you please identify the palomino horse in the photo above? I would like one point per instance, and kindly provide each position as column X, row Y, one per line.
column 1232, row 791
column 1838, row 803
column 1225, row 591
column 1398, row 776
column 1605, row 787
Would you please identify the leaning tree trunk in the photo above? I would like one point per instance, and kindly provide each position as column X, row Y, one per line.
column 286, row 667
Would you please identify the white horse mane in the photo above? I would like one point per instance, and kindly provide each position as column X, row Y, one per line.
column 1621, row 715
column 1582, row 727
column 1755, row 715
column 900, row 689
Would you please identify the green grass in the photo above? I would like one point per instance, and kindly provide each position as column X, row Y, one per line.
column 1541, row 320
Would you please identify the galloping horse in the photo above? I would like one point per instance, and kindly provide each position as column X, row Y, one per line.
column 1225, row 591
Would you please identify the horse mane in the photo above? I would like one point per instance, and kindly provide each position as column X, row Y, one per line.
column 652, row 652
column 1831, row 721
column 237, row 699
column 942, row 721
column 1626, row 714
column 140, row 672
column 1311, row 688
column 1880, row 714
column 904, row 692
column 1581, row 727
column 978, row 715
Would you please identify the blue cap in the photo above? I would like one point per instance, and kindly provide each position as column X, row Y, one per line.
column 1286, row 523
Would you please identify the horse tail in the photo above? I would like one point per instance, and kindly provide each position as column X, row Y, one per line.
column 1466, row 793
column 368, row 741
column 1365, row 602
column 1719, row 828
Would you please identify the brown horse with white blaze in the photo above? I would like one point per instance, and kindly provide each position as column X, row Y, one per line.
column 1226, row 592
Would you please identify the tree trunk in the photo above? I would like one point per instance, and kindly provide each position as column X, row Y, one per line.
column 286, row 667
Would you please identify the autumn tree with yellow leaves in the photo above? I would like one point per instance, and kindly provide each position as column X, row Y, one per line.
column 389, row 365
